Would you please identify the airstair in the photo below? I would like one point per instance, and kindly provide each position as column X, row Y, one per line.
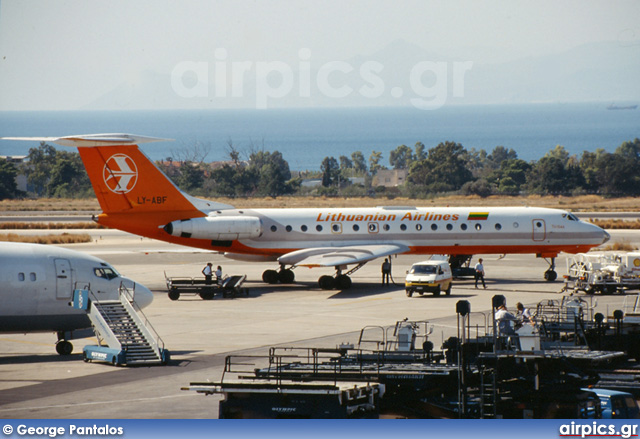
column 488, row 392
column 125, row 336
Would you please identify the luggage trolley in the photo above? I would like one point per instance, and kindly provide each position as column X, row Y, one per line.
column 229, row 286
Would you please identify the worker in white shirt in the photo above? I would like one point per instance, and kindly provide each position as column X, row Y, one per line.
column 208, row 273
column 503, row 319
column 219, row 275
column 479, row 275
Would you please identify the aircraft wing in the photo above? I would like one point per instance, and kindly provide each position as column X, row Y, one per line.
column 335, row 256
column 93, row 139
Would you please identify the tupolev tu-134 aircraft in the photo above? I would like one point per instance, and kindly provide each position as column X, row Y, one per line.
column 137, row 197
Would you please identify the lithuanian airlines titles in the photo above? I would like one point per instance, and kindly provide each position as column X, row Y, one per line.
column 135, row 196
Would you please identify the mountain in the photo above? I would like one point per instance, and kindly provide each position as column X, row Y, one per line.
column 404, row 74
column 592, row 72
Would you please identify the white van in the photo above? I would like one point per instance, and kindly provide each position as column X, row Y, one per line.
column 429, row 277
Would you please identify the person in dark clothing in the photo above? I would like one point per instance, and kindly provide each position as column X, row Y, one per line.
column 386, row 271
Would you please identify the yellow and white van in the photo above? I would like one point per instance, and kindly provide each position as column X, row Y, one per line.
column 429, row 277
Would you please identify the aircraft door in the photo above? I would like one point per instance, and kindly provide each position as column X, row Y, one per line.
column 539, row 229
column 64, row 283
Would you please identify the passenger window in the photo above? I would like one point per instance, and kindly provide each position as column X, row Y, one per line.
column 418, row 227
column 21, row 277
column 478, row 226
column 356, row 227
column 403, row 227
column 386, row 227
column 498, row 226
column 434, row 227
column 303, row 228
column 32, row 277
column 288, row 228
column 274, row 228
column 449, row 227
column 463, row 226
column 319, row 228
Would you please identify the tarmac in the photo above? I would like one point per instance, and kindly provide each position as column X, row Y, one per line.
column 37, row 383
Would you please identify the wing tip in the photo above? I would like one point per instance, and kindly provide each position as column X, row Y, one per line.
column 92, row 140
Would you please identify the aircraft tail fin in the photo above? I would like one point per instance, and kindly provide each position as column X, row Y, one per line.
column 125, row 179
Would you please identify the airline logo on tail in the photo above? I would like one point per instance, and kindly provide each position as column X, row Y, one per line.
column 120, row 173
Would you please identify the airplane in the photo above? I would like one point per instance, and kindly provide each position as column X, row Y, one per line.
column 135, row 196
column 36, row 287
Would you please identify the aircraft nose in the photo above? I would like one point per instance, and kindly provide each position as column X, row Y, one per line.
column 141, row 294
column 606, row 236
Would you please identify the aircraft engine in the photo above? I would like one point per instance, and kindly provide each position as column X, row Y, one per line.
column 219, row 228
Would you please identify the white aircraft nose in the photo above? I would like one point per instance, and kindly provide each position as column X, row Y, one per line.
column 141, row 294
column 605, row 236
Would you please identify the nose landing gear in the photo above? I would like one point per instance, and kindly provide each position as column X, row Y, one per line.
column 550, row 275
column 63, row 346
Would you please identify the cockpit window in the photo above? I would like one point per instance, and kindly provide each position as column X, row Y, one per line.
column 570, row 217
column 105, row 273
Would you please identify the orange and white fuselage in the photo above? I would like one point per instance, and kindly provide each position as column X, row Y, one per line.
column 136, row 197
column 459, row 231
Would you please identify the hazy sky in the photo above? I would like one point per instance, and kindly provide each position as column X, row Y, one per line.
column 66, row 54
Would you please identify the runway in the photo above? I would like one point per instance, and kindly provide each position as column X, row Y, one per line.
column 35, row 382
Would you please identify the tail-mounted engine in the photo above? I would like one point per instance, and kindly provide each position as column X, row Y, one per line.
column 219, row 228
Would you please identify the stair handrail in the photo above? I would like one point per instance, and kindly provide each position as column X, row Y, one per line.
column 130, row 297
column 102, row 338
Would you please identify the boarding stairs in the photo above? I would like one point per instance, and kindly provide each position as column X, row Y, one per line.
column 125, row 336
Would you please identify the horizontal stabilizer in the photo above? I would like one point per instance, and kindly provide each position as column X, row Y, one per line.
column 336, row 256
column 88, row 140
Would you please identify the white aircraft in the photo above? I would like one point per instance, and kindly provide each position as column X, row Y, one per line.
column 36, row 287
column 136, row 197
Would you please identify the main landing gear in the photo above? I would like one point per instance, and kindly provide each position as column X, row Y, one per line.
column 550, row 275
column 284, row 276
column 340, row 281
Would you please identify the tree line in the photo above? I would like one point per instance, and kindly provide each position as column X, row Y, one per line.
column 444, row 169
column 50, row 173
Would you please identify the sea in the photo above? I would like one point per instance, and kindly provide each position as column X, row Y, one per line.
column 306, row 136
